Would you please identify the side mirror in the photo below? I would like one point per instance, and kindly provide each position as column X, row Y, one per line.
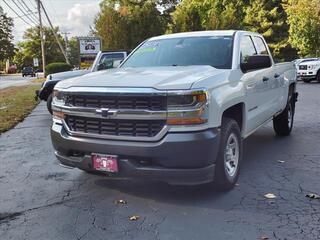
column 101, row 66
column 256, row 62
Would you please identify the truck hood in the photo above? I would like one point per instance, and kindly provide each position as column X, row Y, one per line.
column 67, row 74
column 171, row 77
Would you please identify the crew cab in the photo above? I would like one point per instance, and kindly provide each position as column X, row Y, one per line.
column 104, row 60
column 176, row 110
column 309, row 70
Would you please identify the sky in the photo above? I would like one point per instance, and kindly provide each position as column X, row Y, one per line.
column 72, row 16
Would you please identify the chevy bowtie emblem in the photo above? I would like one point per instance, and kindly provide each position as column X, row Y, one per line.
column 106, row 112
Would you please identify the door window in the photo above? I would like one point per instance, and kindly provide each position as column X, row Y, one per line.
column 261, row 47
column 247, row 49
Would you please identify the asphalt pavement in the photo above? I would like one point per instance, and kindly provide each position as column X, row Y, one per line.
column 41, row 200
column 14, row 80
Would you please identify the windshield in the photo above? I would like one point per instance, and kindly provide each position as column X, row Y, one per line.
column 214, row 51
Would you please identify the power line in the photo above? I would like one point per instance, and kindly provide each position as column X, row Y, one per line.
column 23, row 12
column 18, row 15
column 54, row 32
column 28, row 10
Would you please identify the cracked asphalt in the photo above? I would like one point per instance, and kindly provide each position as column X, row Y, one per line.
column 41, row 200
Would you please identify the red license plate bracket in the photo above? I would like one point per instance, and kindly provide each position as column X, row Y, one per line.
column 105, row 162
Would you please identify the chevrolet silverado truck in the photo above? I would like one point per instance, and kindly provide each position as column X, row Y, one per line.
column 104, row 60
column 176, row 110
column 309, row 70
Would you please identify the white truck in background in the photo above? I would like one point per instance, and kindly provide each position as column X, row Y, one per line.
column 309, row 70
column 176, row 110
column 104, row 60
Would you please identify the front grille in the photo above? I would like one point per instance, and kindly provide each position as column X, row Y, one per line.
column 135, row 128
column 303, row 67
column 154, row 103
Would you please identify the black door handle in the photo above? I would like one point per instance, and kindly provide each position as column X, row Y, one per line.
column 276, row 75
column 265, row 79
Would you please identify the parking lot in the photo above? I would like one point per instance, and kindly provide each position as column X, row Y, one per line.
column 41, row 200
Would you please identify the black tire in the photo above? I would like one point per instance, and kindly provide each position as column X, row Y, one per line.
column 49, row 101
column 306, row 80
column 224, row 179
column 318, row 76
column 283, row 123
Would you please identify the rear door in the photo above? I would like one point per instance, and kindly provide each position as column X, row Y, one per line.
column 272, row 80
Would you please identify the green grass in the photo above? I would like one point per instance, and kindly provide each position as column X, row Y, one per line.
column 15, row 104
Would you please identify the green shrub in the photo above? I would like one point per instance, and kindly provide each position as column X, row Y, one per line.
column 57, row 67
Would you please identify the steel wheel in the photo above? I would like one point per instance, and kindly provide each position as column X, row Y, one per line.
column 231, row 156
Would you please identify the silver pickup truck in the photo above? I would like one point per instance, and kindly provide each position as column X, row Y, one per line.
column 104, row 60
column 176, row 110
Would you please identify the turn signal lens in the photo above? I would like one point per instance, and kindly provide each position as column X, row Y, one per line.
column 186, row 121
column 58, row 115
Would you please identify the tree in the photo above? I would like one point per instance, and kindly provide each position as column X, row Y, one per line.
column 304, row 20
column 30, row 47
column 6, row 37
column 124, row 24
column 197, row 15
column 269, row 18
column 74, row 52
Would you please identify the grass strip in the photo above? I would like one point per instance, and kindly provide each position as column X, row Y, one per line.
column 15, row 104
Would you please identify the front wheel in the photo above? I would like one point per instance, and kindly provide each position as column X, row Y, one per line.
column 318, row 76
column 283, row 123
column 229, row 156
column 49, row 101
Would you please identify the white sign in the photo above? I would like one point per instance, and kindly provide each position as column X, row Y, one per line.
column 35, row 62
column 89, row 46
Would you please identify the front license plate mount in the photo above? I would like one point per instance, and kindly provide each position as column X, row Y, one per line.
column 105, row 162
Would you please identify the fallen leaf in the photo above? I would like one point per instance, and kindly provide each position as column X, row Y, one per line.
column 134, row 218
column 237, row 184
column 281, row 161
column 121, row 201
column 313, row 196
column 270, row 196
column 264, row 238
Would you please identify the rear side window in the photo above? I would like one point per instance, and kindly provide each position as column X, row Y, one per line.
column 261, row 47
column 247, row 49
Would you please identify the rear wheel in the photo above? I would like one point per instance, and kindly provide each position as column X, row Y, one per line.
column 229, row 156
column 283, row 123
column 49, row 101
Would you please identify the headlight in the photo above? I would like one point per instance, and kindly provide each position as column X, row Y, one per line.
column 312, row 67
column 58, row 99
column 185, row 108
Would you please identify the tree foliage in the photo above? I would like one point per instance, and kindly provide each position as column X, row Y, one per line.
column 30, row 47
column 269, row 18
column 124, row 24
column 304, row 21
column 6, row 37
column 73, row 52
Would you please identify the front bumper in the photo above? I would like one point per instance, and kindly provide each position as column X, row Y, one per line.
column 178, row 158
column 307, row 74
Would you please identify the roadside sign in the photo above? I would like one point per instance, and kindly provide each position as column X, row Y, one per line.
column 89, row 45
column 35, row 62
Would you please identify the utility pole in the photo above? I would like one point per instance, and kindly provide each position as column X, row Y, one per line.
column 67, row 43
column 54, row 33
column 41, row 38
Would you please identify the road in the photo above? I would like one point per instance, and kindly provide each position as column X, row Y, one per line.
column 41, row 200
column 14, row 80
